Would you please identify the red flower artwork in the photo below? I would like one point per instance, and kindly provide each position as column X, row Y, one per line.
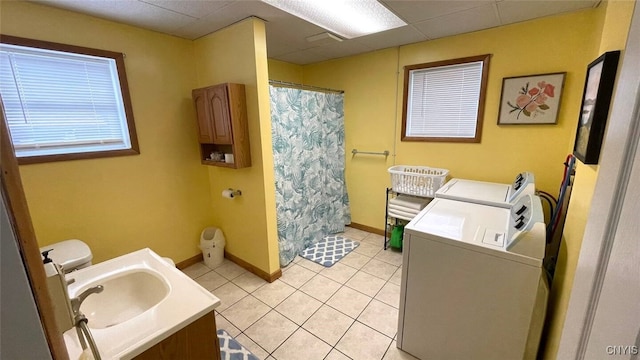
column 531, row 102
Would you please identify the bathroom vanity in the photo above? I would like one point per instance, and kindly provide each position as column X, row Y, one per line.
column 197, row 340
column 147, row 310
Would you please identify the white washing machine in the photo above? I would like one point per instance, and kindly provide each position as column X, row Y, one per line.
column 473, row 285
column 487, row 193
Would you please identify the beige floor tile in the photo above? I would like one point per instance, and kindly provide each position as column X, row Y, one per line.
column 211, row 280
column 298, row 307
column 302, row 345
column 230, row 270
column 311, row 265
column 363, row 343
column 354, row 234
column 374, row 239
column 271, row 331
column 368, row 249
column 380, row 317
column 228, row 294
column 249, row 282
column 272, row 294
column 320, row 288
column 338, row 272
column 252, row 346
column 396, row 354
column 365, row 283
column 297, row 275
column 328, row 324
column 245, row 312
column 390, row 256
column 397, row 277
column 224, row 324
column 355, row 260
column 379, row 269
column 349, row 301
column 195, row 270
column 389, row 294
column 336, row 355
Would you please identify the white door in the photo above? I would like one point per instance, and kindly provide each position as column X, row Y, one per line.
column 603, row 319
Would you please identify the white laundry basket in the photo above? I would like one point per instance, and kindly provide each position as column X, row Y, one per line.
column 417, row 180
column 212, row 245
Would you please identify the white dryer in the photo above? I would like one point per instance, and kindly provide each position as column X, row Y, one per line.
column 487, row 193
column 473, row 285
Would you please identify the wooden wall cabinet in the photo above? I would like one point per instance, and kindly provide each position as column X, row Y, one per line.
column 222, row 124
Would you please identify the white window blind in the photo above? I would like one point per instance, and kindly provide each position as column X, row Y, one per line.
column 61, row 103
column 443, row 101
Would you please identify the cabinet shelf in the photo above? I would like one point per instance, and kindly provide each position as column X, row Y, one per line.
column 389, row 220
column 222, row 124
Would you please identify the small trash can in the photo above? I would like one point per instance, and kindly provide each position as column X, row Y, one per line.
column 212, row 245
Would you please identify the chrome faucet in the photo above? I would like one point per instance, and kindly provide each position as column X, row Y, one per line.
column 78, row 300
column 84, row 334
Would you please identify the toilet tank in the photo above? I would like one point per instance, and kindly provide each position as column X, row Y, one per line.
column 71, row 254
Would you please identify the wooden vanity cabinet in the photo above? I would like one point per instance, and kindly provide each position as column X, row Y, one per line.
column 222, row 124
column 197, row 340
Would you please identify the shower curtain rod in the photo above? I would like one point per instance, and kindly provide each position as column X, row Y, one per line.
column 302, row 86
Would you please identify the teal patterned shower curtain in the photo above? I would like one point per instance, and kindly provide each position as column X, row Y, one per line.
column 307, row 129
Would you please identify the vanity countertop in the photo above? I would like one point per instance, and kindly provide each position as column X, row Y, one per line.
column 182, row 301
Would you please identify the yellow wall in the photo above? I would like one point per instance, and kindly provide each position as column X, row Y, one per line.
column 248, row 221
column 158, row 199
column 373, row 85
column 284, row 71
column 614, row 19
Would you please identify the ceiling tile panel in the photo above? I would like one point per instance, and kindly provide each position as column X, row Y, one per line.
column 418, row 10
column 515, row 11
column 479, row 18
column 391, row 38
column 193, row 8
column 130, row 12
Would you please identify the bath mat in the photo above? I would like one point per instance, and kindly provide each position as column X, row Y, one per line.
column 329, row 250
column 230, row 348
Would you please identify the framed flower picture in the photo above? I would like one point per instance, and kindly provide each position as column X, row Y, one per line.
column 532, row 99
column 596, row 99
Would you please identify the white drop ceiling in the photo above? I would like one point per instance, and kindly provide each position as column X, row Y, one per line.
column 286, row 34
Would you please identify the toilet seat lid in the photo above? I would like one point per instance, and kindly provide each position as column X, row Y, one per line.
column 69, row 253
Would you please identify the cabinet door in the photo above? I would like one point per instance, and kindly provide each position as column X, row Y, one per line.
column 205, row 132
column 220, row 118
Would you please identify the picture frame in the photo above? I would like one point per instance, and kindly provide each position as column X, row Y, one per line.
column 594, row 108
column 531, row 99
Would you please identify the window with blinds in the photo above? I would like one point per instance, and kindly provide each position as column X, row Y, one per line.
column 444, row 101
column 64, row 102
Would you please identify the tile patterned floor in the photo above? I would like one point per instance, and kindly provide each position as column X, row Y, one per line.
column 347, row 311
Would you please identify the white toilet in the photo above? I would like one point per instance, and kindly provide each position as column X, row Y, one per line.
column 74, row 254
column 71, row 254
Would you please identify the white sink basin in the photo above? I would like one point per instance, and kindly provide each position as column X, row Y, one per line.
column 144, row 301
column 125, row 296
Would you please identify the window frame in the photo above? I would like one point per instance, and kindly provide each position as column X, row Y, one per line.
column 481, row 99
column 124, row 91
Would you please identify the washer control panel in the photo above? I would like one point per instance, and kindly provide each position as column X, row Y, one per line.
column 526, row 212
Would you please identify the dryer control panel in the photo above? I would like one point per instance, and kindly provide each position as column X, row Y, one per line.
column 523, row 184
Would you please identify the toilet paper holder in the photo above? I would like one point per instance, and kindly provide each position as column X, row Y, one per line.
column 231, row 193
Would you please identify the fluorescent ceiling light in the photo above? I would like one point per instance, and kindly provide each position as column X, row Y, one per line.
column 347, row 18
